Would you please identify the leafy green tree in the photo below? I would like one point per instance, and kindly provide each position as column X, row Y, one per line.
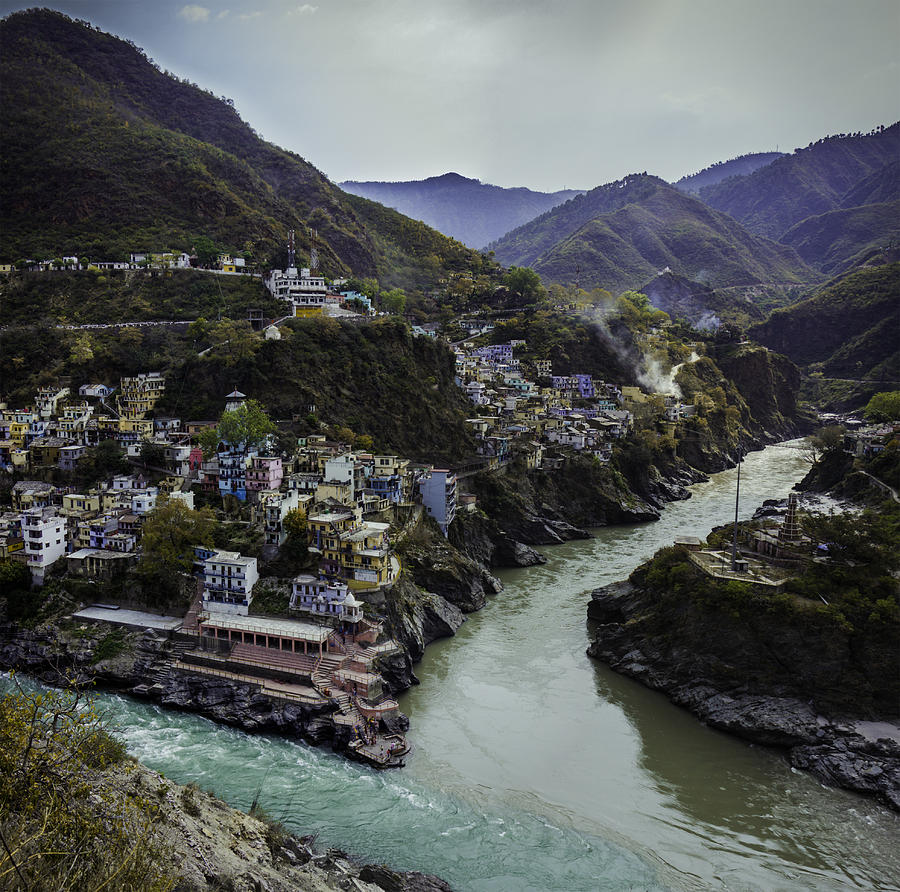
column 169, row 535
column 248, row 425
column 152, row 455
column 15, row 586
column 296, row 545
column 828, row 439
column 394, row 301
column 208, row 440
column 82, row 350
column 102, row 461
column 206, row 250
column 236, row 339
column 524, row 282
column 884, row 406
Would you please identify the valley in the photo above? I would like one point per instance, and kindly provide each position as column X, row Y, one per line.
column 454, row 524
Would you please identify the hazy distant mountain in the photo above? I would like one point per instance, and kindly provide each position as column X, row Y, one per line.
column 102, row 153
column 620, row 235
column 809, row 182
column 721, row 170
column 473, row 212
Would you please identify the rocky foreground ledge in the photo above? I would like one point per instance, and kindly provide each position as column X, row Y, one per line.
column 714, row 667
column 206, row 844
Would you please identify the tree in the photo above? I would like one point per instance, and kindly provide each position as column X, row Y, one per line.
column 208, row 440
column 248, row 425
column 296, row 545
column 884, row 406
column 152, row 454
column 394, row 301
column 65, row 824
column 15, row 586
column 170, row 533
column 206, row 250
column 102, row 461
column 237, row 338
column 828, row 439
column 524, row 282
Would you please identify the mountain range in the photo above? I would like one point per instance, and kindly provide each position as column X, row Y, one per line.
column 722, row 170
column 102, row 153
column 473, row 212
column 618, row 235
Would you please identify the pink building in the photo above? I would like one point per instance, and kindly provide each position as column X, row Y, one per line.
column 195, row 458
column 265, row 473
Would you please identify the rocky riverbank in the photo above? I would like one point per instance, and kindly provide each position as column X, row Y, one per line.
column 741, row 674
column 142, row 666
column 206, row 844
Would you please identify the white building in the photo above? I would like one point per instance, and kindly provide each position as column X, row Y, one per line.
column 321, row 597
column 44, row 532
column 228, row 580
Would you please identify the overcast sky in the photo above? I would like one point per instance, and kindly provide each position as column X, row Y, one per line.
column 549, row 95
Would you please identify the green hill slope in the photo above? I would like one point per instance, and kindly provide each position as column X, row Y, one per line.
column 848, row 329
column 101, row 153
column 619, row 235
column 473, row 212
column 840, row 239
column 809, row 182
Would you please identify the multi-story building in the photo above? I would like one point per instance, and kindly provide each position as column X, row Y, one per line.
column 325, row 598
column 439, row 496
column 69, row 456
column 44, row 532
column 273, row 508
column 139, row 394
column 265, row 473
column 351, row 549
column 228, row 580
column 233, row 461
column 48, row 398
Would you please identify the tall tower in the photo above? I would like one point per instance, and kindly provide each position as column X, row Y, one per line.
column 313, row 251
column 292, row 254
column 790, row 529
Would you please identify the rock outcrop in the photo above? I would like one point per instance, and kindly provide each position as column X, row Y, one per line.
column 797, row 686
column 205, row 844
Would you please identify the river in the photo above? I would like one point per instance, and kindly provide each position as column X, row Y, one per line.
column 535, row 768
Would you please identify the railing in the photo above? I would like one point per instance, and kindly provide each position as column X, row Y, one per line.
column 274, row 693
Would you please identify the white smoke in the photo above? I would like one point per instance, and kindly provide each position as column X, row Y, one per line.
column 708, row 321
column 654, row 378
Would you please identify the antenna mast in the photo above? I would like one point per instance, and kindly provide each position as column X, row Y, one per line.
column 313, row 251
column 292, row 261
column 737, row 499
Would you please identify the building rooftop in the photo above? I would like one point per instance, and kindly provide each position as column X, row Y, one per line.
column 264, row 625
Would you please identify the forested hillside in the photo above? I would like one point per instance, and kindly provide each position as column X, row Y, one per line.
column 473, row 212
column 619, row 235
column 101, row 153
column 809, row 182
column 849, row 329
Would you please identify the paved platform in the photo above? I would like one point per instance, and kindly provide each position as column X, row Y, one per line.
column 134, row 619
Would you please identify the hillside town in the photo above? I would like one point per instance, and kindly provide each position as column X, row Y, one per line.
column 326, row 648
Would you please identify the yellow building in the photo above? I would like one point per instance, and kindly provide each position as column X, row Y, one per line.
column 81, row 505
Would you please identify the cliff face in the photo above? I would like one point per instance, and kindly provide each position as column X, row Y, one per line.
column 786, row 678
column 768, row 383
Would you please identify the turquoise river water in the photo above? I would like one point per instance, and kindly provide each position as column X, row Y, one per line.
column 535, row 768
